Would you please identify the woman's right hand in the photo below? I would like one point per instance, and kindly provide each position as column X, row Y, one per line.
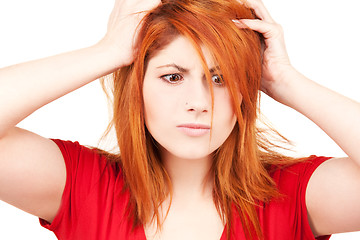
column 28, row 86
column 122, row 28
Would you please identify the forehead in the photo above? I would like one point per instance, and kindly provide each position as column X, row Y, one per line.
column 182, row 52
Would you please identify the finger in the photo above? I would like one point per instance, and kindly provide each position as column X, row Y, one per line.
column 259, row 9
column 144, row 6
column 268, row 30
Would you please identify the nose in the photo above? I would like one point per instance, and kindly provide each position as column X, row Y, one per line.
column 198, row 97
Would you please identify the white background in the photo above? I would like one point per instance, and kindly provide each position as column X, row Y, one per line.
column 322, row 41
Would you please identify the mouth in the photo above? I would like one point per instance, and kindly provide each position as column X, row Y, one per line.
column 194, row 130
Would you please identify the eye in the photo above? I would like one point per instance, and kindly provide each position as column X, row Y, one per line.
column 218, row 80
column 172, row 78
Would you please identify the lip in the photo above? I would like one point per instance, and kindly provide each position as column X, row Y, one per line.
column 194, row 129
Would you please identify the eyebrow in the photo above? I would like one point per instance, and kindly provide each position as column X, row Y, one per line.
column 173, row 65
column 185, row 70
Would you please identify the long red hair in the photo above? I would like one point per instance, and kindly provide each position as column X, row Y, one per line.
column 241, row 164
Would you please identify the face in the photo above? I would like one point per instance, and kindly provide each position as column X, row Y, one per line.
column 177, row 102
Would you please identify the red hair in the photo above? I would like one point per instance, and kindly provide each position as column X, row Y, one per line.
column 241, row 164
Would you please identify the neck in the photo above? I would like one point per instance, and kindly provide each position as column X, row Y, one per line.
column 191, row 178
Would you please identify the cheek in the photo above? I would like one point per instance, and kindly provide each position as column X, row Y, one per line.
column 224, row 118
column 151, row 110
column 158, row 105
column 223, row 108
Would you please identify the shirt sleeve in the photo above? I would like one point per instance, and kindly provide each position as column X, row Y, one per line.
column 308, row 169
column 290, row 212
column 83, row 168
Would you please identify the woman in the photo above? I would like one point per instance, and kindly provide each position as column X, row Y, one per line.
column 209, row 102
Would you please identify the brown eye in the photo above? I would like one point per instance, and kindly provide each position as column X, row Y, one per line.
column 218, row 80
column 172, row 78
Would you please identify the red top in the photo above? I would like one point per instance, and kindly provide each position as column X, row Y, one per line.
column 94, row 207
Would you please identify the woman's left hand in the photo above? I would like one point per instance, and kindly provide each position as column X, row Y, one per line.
column 337, row 115
column 276, row 64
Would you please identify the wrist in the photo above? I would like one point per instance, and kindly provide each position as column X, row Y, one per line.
column 278, row 85
column 283, row 88
column 114, row 54
column 109, row 55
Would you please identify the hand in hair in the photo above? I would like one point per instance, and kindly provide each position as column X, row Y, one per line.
column 123, row 24
column 276, row 63
column 337, row 115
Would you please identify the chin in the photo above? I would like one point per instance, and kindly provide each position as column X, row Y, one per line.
column 195, row 157
column 190, row 154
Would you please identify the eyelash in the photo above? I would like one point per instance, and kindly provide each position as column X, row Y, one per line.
column 167, row 77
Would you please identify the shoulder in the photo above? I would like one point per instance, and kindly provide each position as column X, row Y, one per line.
column 292, row 179
column 299, row 171
column 85, row 158
column 286, row 217
column 332, row 193
column 91, row 183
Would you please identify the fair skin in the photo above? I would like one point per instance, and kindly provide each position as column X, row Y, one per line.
column 333, row 191
column 178, row 110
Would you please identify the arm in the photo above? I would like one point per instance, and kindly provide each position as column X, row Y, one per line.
column 333, row 191
column 32, row 170
column 29, row 86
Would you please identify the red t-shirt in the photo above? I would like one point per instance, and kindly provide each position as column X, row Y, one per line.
column 95, row 207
